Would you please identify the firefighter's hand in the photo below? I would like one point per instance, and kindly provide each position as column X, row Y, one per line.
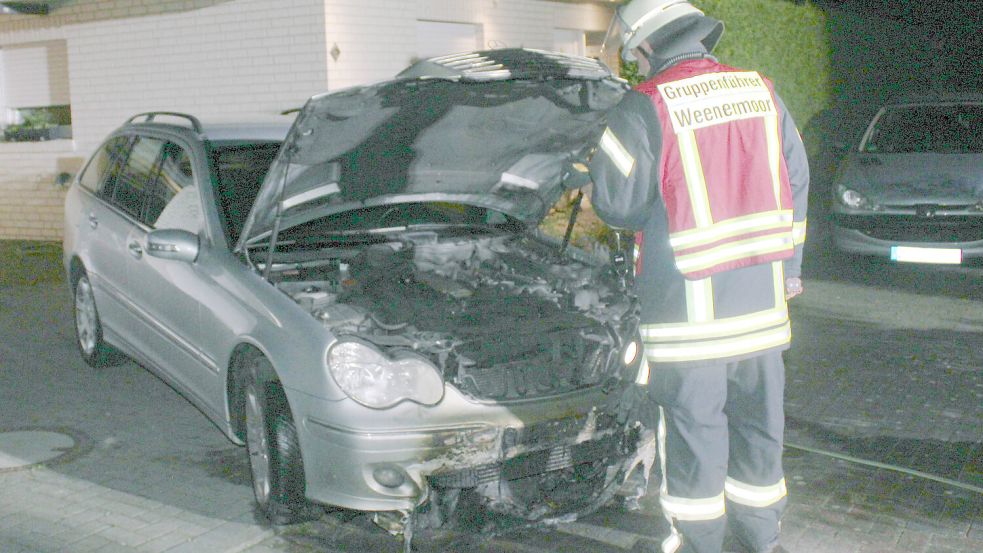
column 793, row 287
column 633, row 405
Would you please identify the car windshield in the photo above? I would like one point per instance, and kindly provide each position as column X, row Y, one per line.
column 239, row 170
column 941, row 129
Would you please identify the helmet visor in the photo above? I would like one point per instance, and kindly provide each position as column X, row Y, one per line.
column 614, row 41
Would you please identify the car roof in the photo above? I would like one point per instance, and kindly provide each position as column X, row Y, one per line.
column 931, row 97
column 246, row 131
column 215, row 132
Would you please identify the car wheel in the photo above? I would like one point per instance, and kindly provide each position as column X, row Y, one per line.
column 88, row 328
column 274, row 450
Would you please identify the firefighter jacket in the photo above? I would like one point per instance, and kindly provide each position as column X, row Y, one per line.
column 704, row 162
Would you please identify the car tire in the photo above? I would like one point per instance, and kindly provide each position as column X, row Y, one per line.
column 88, row 327
column 274, row 449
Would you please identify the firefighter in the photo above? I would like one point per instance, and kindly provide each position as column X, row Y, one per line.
column 705, row 164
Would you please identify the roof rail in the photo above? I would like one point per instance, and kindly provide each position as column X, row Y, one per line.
column 149, row 117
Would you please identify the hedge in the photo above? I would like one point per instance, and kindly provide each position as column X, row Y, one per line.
column 786, row 41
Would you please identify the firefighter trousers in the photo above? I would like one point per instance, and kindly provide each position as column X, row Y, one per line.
column 720, row 444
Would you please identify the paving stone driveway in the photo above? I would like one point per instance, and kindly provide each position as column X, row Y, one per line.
column 888, row 376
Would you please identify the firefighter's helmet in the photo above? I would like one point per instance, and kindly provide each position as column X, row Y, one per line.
column 640, row 19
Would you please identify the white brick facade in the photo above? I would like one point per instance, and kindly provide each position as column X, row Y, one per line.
column 377, row 38
column 225, row 60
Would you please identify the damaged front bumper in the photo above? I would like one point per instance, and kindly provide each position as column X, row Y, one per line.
column 535, row 460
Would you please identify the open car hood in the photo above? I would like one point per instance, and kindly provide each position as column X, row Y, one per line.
column 502, row 129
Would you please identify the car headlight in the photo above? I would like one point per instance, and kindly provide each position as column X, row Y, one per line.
column 852, row 198
column 376, row 380
column 631, row 356
column 630, row 352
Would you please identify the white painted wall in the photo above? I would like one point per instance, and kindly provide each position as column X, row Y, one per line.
column 227, row 60
column 437, row 38
column 570, row 41
column 222, row 60
column 377, row 38
column 239, row 60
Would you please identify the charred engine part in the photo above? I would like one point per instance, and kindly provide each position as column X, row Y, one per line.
column 498, row 314
column 542, row 482
column 398, row 523
column 623, row 257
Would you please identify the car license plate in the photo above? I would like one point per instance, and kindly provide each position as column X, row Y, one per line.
column 907, row 254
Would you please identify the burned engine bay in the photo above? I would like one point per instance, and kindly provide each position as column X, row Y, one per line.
column 502, row 315
column 505, row 317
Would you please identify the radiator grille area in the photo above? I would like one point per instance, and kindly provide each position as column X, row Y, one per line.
column 914, row 228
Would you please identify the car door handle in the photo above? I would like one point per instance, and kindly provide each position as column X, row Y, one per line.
column 93, row 221
column 135, row 249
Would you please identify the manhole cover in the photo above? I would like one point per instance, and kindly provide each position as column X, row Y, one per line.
column 23, row 448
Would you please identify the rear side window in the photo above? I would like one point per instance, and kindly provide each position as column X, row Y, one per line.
column 137, row 176
column 105, row 161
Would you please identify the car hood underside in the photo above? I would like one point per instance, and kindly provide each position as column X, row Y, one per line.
column 509, row 143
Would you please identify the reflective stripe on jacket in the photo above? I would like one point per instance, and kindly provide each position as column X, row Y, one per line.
column 739, row 310
column 734, row 324
column 724, row 180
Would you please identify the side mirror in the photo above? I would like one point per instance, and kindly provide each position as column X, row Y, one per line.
column 176, row 244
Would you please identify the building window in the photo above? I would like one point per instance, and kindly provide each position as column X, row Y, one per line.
column 34, row 93
column 437, row 38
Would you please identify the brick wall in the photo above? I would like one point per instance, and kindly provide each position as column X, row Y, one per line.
column 31, row 204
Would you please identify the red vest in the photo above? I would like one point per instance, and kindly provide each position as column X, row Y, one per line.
column 724, row 179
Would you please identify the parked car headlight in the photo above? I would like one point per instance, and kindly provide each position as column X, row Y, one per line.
column 852, row 198
column 374, row 379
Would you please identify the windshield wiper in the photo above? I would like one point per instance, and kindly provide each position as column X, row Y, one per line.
column 346, row 238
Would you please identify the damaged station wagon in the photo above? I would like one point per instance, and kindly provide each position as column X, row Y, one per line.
column 388, row 330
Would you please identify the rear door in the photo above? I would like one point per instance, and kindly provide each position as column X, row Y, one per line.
column 102, row 238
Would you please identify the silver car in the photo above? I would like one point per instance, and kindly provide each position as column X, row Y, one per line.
column 913, row 189
column 388, row 330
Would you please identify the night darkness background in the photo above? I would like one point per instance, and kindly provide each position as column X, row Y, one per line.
column 881, row 50
column 885, row 48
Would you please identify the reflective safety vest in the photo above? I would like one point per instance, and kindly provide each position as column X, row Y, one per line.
column 724, row 179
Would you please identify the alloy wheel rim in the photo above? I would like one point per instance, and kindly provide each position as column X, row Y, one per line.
column 85, row 316
column 257, row 444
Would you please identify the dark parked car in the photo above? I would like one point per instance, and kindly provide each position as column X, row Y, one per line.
column 912, row 191
column 389, row 330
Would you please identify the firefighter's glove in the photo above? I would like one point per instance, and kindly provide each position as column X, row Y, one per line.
column 633, row 405
column 793, row 287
